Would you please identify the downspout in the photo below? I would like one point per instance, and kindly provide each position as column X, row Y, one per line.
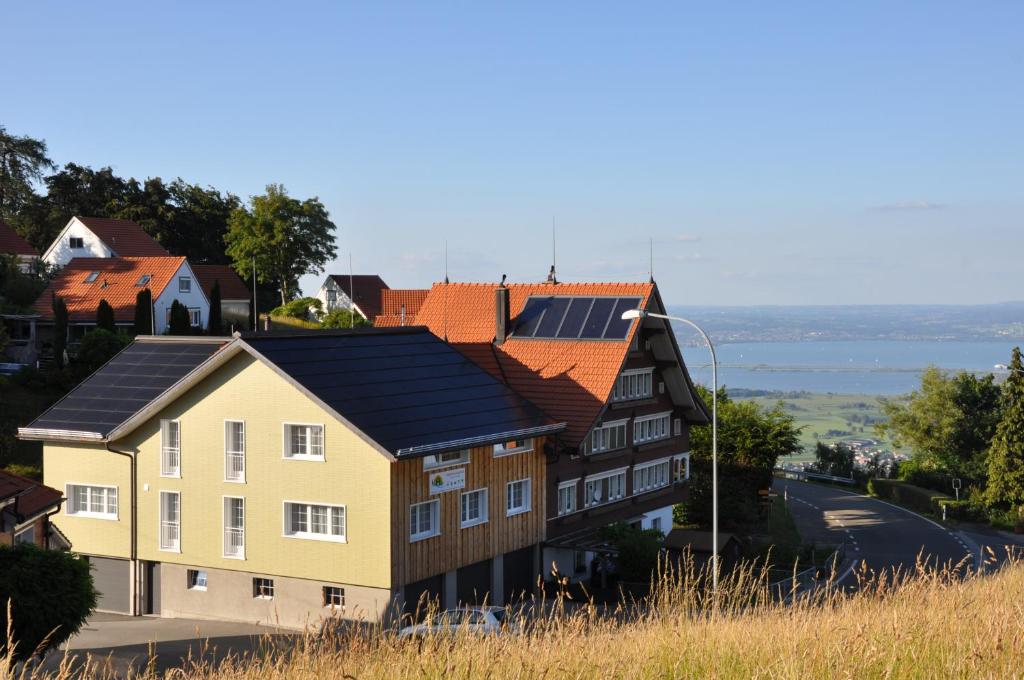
column 133, row 585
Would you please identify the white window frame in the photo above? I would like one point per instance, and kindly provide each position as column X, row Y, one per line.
column 225, row 528
column 642, row 483
column 602, row 436
column 191, row 584
column 168, row 528
column 166, row 469
column 433, row 462
column 290, row 532
column 286, row 442
column 608, row 496
column 229, row 454
column 521, row 446
column 483, row 500
column 195, row 317
column 273, row 588
column 70, row 510
column 527, row 497
column 184, row 284
column 640, row 422
column 573, row 486
column 331, row 605
column 435, row 513
column 633, row 384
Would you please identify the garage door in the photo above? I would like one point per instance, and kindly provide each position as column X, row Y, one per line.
column 112, row 579
column 420, row 593
column 520, row 574
column 473, row 583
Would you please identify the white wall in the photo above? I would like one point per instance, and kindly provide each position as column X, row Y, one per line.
column 342, row 301
column 60, row 252
column 665, row 514
column 193, row 300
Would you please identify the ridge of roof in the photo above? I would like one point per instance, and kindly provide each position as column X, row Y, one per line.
column 231, row 285
column 125, row 237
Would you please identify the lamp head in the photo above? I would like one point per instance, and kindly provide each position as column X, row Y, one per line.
column 631, row 314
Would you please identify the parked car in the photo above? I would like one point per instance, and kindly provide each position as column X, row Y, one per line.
column 484, row 620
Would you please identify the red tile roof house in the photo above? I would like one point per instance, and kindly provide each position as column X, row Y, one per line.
column 621, row 386
column 13, row 245
column 234, row 295
column 399, row 307
column 101, row 237
column 361, row 292
column 84, row 281
column 25, row 509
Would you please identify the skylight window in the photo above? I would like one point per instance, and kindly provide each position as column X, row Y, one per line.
column 143, row 280
column 92, row 277
column 566, row 317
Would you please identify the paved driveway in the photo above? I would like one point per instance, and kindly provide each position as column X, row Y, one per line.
column 125, row 642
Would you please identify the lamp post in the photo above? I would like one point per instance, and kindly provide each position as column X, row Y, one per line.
column 643, row 314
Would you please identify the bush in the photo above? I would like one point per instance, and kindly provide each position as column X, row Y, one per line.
column 50, row 593
column 306, row 308
column 343, row 318
column 638, row 551
column 97, row 348
column 914, row 497
column 963, row 510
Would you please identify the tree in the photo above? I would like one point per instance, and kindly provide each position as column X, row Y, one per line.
column 105, row 316
column 51, row 594
column 948, row 423
column 144, row 312
column 835, row 460
column 216, row 323
column 180, row 322
column 340, row 317
column 22, row 162
column 97, row 348
column 637, row 549
column 287, row 238
column 60, row 330
column 1005, row 489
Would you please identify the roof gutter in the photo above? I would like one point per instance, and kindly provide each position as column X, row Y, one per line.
column 470, row 442
column 39, row 434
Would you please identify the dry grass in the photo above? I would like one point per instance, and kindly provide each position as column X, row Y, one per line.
column 928, row 625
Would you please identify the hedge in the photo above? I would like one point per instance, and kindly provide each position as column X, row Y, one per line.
column 922, row 500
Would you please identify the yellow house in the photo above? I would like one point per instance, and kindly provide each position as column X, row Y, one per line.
column 284, row 478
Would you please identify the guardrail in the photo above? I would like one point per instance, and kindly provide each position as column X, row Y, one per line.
column 803, row 475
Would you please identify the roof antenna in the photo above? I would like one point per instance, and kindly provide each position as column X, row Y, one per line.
column 446, row 261
column 650, row 270
column 352, row 294
column 503, row 277
column 444, row 297
column 552, row 277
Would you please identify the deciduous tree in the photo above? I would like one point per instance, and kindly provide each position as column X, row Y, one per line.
column 1006, row 458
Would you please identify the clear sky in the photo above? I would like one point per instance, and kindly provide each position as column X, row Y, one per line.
column 776, row 153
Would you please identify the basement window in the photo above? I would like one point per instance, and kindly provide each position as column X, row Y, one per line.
column 196, row 579
column 263, row 588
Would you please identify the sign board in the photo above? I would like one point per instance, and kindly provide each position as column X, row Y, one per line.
column 956, row 482
column 447, row 480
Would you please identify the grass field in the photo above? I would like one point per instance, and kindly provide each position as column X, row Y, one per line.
column 830, row 417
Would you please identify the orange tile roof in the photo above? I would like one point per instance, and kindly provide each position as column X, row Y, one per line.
column 115, row 284
column 126, row 238
column 570, row 380
column 13, row 244
column 392, row 301
column 231, row 286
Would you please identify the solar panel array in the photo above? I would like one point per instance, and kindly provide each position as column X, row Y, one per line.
column 126, row 384
column 571, row 318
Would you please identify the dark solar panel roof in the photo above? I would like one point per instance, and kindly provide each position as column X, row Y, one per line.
column 404, row 389
column 125, row 385
column 567, row 317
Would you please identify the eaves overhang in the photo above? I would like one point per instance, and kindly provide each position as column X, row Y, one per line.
column 482, row 440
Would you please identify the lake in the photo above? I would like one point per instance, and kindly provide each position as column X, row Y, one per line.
column 844, row 367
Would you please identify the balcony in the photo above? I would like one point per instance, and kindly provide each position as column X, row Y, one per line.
column 234, row 542
column 170, row 536
column 234, row 467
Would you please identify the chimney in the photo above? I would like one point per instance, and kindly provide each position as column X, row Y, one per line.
column 403, row 313
column 501, row 313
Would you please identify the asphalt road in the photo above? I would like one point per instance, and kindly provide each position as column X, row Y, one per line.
column 885, row 537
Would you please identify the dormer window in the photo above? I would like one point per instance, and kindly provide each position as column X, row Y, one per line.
column 143, row 280
column 76, row 242
column 92, row 277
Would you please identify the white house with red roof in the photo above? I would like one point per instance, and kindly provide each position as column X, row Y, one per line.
column 101, row 237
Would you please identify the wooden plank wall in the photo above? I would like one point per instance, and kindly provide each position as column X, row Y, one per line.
column 457, row 547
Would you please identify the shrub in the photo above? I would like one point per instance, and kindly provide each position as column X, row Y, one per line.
column 97, row 348
column 638, row 550
column 307, row 308
column 105, row 316
column 50, row 593
column 343, row 318
column 921, row 500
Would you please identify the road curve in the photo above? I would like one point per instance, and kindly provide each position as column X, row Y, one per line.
column 883, row 536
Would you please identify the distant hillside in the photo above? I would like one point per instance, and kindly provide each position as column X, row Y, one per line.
column 859, row 322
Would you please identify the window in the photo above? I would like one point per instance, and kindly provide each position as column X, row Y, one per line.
column 170, row 521
column 656, row 523
column 304, row 442
column 474, row 508
column 234, row 527
column 334, row 596
column 517, row 497
column 76, row 242
column 92, row 501
column 319, row 522
column 170, row 448
column 513, row 446
column 604, row 489
column 234, row 451
column 195, row 317
column 681, row 467
column 579, row 561
column 633, row 384
column 92, row 277
column 184, row 284
column 424, row 520
column 650, row 428
column 567, row 497
column 332, row 296
column 196, row 579
column 677, row 427
column 263, row 588
column 608, row 437
column 651, row 476
column 26, row 536
column 445, row 459
column 143, row 280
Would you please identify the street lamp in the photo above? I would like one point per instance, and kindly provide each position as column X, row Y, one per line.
column 630, row 314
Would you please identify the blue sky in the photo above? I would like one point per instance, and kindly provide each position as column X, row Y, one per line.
column 776, row 153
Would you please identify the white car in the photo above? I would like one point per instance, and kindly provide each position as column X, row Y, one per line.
column 483, row 620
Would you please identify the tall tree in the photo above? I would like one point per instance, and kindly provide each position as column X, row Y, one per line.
column 180, row 323
column 216, row 324
column 1006, row 457
column 22, row 162
column 286, row 237
column 60, row 330
column 144, row 312
column 105, row 316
